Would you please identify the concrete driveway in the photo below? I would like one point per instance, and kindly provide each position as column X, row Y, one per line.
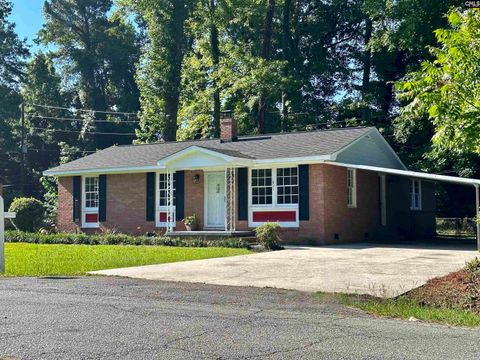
column 380, row 270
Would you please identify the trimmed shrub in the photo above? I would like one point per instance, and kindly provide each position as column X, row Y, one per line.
column 473, row 266
column 119, row 239
column 268, row 235
column 29, row 213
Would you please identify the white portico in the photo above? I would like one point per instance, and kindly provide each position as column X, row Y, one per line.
column 220, row 177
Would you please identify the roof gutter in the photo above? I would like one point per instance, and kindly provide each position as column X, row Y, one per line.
column 161, row 166
column 411, row 174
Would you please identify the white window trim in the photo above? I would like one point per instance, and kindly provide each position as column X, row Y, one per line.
column 273, row 206
column 158, row 208
column 89, row 210
column 412, row 195
column 353, row 204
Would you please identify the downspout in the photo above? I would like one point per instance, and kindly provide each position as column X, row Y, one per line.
column 477, row 213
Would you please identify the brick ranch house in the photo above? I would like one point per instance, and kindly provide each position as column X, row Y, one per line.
column 322, row 187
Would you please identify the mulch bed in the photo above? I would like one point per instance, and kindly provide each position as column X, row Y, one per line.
column 457, row 290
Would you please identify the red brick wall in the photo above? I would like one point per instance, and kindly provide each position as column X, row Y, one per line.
column 351, row 224
column 329, row 213
column 65, row 205
column 311, row 231
column 126, row 204
column 228, row 129
column 194, row 199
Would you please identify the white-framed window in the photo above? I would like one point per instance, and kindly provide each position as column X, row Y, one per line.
column 262, row 187
column 287, row 185
column 91, row 192
column 282, row 191
column 352, row 188
column 90, row 195
column 162, row 205
column 162, row 189
column 415, row 194
column 274, row 196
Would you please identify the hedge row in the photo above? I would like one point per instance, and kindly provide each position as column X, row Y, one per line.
column 119, row 239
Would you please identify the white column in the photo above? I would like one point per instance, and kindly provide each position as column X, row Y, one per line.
column 233, row 196
column 170, row 208
column 230, row 199
column 2, row 236
column 227, row 200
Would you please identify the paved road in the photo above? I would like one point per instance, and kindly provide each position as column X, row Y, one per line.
column 119, row 318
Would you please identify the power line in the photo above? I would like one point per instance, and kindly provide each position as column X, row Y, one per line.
column 83, row 120
column 58, row 150
column 86, row 132
column 84, row 110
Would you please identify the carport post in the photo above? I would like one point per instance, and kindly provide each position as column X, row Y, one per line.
column 2, row 236
column 477, row 214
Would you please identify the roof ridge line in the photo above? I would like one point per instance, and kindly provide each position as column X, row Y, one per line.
column 246, row 136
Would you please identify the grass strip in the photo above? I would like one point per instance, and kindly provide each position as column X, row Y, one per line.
column 59, row 260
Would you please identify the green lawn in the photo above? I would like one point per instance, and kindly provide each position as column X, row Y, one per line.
column 43, row 260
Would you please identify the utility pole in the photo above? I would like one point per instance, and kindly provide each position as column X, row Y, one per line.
column 23, row 150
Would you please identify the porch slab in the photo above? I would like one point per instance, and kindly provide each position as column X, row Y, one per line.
column 377, row 269
column 211, row 233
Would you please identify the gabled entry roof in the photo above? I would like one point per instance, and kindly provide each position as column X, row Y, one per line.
column 312, row 145
column 201, row 157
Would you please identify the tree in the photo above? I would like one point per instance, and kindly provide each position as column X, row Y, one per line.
column 266, row 50
column 160, row 71
column 98, row 54
column 286, row 52
column 13, row 52
column 446, row 92
column 42, row 85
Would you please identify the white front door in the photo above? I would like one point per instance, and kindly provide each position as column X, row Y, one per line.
column 215, row 200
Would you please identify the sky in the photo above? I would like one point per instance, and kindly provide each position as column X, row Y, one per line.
column 27, row 15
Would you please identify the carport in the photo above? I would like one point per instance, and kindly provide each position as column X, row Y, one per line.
column 426, row 176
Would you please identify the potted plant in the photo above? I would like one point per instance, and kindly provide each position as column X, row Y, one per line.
column 191, row 222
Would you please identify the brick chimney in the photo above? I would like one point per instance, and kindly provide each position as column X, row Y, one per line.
column 228, row 127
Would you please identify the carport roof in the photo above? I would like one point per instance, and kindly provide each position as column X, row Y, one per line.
column 412, row 174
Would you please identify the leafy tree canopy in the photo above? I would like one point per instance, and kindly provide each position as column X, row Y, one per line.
column 445, row 90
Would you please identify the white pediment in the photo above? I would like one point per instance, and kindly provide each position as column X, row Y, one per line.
column 195, row 157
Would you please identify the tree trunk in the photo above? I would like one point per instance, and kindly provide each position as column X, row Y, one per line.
column 171, row 112
column 286, row 38
column 367, row 64
column 175, row 57
column 215, row 53
column 266, row 49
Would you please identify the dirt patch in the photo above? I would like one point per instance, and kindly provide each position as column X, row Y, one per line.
column 457, row 290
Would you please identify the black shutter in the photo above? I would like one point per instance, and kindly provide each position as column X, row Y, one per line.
column 102, row 198
column 304, row 199
column 150, row 196
column 180, row 195
column 77, row 198
column 243, row 194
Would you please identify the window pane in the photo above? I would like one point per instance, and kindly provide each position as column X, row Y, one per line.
column 351, row 188
column 261, row 186
column 287, row 184
column 91, row 192
column 163, row 192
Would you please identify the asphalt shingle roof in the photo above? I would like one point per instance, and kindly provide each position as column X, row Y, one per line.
column 270, row 146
